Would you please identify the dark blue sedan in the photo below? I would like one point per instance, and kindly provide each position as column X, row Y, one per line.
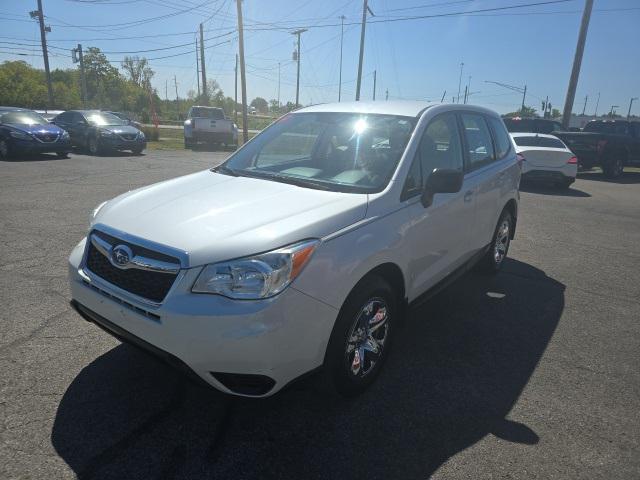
column 27, row 132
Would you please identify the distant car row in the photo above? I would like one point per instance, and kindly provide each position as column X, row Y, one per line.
column 24, row 132
column 609, row 144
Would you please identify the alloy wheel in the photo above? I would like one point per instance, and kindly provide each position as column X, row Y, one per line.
column 366, row 340
column 93, row 146
column 4, row 149
column 501, row 244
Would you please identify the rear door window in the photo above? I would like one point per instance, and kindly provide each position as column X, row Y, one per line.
column 479, row 143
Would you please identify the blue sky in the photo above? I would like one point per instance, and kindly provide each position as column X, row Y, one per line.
column 415, row 59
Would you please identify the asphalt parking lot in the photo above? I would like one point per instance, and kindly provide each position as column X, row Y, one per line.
column 534, row 373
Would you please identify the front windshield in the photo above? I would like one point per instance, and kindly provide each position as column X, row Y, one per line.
column 103, row 119
column 348, row 152
column 23, row 118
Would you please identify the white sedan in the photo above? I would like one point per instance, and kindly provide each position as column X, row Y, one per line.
column 546, row 158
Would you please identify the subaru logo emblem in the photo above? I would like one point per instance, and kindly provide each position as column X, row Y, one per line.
column 121, row 255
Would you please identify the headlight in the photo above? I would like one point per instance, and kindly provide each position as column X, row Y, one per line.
column 21, row 135
column 141, row 135
column 106, row 133
column 65, row 134
column 256, row 277
column 95, row 212
column 235, row 127
column 187, row 123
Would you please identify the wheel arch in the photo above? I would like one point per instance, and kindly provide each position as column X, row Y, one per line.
column 512, row 207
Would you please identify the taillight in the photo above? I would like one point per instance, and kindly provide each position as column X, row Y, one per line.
column 573, row 161
column 601, row 145
column 520, row 158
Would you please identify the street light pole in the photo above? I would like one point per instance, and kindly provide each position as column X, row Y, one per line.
column 243, row 83
column 45, row 53
column 577, row 62
column 630, row 103
column 298, row 33
column 342, row 17
column 365, row 9
column 460, row 81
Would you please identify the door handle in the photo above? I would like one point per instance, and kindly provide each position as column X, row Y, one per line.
column 468, row 196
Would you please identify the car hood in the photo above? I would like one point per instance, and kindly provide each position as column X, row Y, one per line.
column 119, row 129
column 33, row 129
column 214, row 217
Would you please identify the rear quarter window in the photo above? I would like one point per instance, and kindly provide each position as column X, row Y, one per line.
column 502, row 140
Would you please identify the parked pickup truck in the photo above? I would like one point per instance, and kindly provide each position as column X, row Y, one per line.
column 610, row 144
column 209, row 125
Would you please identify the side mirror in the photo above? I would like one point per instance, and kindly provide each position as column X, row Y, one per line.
column 441, row 181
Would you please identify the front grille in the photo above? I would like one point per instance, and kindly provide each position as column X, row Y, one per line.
column 46, row 137
column 129, row 136
column 143, row 283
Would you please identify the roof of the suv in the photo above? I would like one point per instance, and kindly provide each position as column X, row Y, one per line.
column 396, row 107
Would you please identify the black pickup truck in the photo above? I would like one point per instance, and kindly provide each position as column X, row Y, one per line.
column 610, row 144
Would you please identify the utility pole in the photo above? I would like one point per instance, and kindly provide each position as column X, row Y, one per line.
column 45, row 54
column 595, row 113
column 342, row 17
column 577, row 62
column 374, row 84
column 177, row 99
column 630, row 103
column 586, row 97
column 166, row 89
column 386, row 94
column 203, row 68
column 235, row 105
column 443, row 95
column 77, row 57
column 297, row 33
column 198, row 66
column 245, row 128
column 524, row 96
column 466, row 93
column 460, row 80
column 365, row 8
column 278, row 85
column 613, row 110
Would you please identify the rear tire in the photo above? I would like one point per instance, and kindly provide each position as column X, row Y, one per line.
column 494, row 258
column 565, row 184
column 613, row 166
column 361, row 337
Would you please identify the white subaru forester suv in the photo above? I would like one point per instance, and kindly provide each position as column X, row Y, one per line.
column 304, row 247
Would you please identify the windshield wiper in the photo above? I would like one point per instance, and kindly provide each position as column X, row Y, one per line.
column 299, row 182
column 225, row 170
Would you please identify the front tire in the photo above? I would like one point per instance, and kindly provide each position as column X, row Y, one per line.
column 360, row 340
column 136, row 151
column 5, row 149
column 494, row 258
column 94, row 146
column 62, row 155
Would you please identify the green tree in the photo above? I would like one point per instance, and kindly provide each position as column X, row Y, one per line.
column 21, row 85
column 523, row 112
column 260, row 104
column 138, row 71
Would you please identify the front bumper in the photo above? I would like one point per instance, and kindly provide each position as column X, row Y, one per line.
column 118, row 143
column 34, row 146
column 280, row 338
